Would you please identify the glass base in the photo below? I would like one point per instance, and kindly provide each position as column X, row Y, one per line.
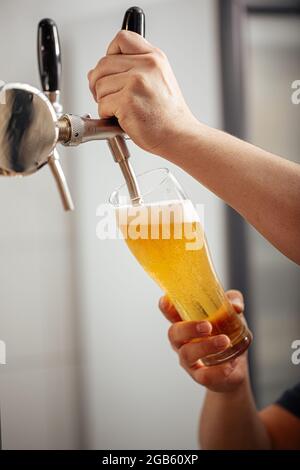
column 240, row 345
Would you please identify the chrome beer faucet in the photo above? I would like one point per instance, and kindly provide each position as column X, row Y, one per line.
column 32, row 123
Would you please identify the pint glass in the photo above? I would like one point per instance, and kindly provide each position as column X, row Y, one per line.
column 163, row 231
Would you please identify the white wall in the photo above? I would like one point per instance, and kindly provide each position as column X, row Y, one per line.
column 38, row 389
column 102, row 374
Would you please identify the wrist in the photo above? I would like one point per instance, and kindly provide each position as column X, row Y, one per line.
column 183, row 139
column 237, row 387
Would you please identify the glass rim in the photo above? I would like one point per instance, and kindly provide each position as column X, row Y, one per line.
column 167, row 174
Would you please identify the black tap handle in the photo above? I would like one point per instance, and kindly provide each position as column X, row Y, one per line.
column 49, row 56
column 134, row 20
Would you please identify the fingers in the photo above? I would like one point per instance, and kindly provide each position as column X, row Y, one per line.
column 108, row 85
column 204, row 376
column 192, row 346
column 191, row 353
column 234, row 296
column 237, row 300
column 192, row 342
column 109, row 105
column 111, row 66
column 168, row 309
column 126, row 51
column 184, row 331
column 108, row 66
column 128, row 42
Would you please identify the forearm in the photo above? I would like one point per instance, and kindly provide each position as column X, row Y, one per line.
column 230, row 421
column 263, row 188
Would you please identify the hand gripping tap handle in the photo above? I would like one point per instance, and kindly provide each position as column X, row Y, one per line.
column 49, row 61
column 134, row 20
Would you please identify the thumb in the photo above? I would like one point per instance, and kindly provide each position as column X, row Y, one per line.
column 168, row 309
column 237, row 300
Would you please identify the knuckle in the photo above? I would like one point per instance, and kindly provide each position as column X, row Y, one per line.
column 138, row 82
column 104, row 106
column 91, row 84
column 183, row 355
column 207, row 347
column 129, row 101
column 102, row 62
column 151, row 60
column 90, row 75
column 98, row 84
column 172, row 335
column 99, row 88
column 122, row 36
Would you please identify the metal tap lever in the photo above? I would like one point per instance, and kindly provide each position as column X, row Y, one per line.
column 49, row 60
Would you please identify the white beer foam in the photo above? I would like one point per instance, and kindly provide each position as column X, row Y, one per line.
column 180, row 210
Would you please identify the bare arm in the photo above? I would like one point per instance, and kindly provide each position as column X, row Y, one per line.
column 230, row 420
column 262, row 187
column 135, row 83
column 282, row 426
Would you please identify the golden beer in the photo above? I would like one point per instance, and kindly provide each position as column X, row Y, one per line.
column 168, row 241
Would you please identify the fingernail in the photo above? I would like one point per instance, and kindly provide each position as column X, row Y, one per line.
column 203, row 327
column 164, row 303
column 221, row 341
column 238, row 303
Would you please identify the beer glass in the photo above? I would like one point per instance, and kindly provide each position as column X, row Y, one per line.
column 163, row 231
